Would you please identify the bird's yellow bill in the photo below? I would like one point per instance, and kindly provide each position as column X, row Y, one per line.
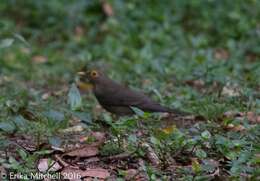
column 85, row 86
column 81, row 73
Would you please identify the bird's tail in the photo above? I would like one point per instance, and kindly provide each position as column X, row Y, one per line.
column 177, row 112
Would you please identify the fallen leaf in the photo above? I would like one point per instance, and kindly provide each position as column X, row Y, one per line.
column 199, row 84
column 251, row 56
column 46, row 164
column 60, row 161
column 57, row 148
column 43, row 165
column 230, row 114
column 107, row 8
column 239, row 128
column 100, row 137
column 221, row 54
column 151, row 155
column 79, row 31
column 91, row 160
column 230, row 90
column 83, row 139
column 131, row 174
column 96, row 172
column 45, row 96
column 253, row 117
column 73, row 129
column 86, row 151
column 61, row 92
column 25, row 50
column 233, row 127
column 39, row 59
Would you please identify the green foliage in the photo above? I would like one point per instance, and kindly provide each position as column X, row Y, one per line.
column 110, row 148
column 158, row 47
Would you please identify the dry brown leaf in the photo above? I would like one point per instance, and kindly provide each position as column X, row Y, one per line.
column 230, row 114
column 251, row 116
column 96, row 172
column 43, row 165
column 151, row 155
column 63, row 89
column 83, row 139
column 46, row 95
column 131, row 174
column 46, row 164
column 60, row 161
column 39, row 59
column 86, row 151
column 230, row 90
column 221, row 54
column 73, row 129
column 99, row 136
column 107, row 8
column 134, row 174
column 91, row 160
column 252, row 56
column 79, row 31
column 235, row 127
column 199, row 84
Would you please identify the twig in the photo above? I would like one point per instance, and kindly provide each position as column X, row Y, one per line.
column 151, row 155
column 117, row 157
column 60, row 161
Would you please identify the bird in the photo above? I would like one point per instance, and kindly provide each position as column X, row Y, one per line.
column 119, row 99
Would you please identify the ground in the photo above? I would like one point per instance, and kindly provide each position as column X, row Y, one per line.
column 199, row 56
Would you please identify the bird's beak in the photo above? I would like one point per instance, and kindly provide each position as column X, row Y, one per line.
column 81, row 73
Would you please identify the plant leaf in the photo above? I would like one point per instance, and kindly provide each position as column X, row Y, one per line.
column 83, row 116
column 55, row 141
column 6, row 42
column 7, row 126
column 22, row 39
column 55, row 115
column 137, row 111
column 74, row 98
column 20, row 122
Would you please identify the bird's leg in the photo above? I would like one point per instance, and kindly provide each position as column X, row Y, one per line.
column 114, row 117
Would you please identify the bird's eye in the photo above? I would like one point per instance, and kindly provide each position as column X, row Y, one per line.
column 94, row 73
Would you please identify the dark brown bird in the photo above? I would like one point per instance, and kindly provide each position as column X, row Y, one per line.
column 119, row 99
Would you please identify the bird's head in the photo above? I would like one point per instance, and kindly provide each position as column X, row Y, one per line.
column 92, row 76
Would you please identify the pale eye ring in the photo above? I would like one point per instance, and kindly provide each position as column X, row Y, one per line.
column 94, row 74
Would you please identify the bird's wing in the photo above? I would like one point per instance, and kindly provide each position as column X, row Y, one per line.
column 115, row 94
column 118, row 95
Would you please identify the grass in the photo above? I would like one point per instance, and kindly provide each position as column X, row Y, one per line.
column 183, row 54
